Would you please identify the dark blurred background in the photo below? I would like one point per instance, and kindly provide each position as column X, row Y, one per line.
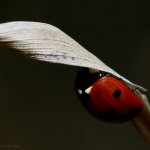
column 38, row 106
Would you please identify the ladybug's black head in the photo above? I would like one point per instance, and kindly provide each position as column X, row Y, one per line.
column 86, row 77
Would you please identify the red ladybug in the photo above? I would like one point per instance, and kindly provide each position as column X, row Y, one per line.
column 107, row 97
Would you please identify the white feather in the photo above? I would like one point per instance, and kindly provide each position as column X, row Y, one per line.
column 47, row 43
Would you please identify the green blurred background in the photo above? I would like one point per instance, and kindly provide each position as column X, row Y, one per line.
column 38, row 105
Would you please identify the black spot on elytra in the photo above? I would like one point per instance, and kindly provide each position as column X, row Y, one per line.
column 117, row 94
column 135, row 112
column 109, row 115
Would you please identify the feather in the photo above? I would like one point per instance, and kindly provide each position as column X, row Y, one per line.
column 45, row 42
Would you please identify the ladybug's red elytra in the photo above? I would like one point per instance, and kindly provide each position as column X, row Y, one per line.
column 107, row 97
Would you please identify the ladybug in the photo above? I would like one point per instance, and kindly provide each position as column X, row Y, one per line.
column 107, row 97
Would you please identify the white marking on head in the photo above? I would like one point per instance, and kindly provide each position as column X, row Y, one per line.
column 88, row 90
column 79, row 91
column 100, row 75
